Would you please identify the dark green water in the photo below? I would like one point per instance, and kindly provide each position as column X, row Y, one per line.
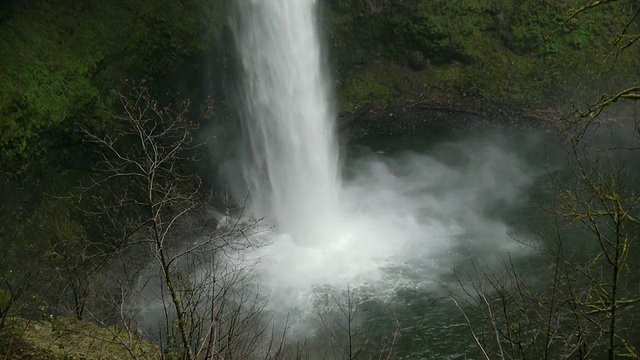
column 422, row 314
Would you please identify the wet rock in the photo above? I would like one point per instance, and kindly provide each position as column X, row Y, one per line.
column 419, row 119
column 416, row 61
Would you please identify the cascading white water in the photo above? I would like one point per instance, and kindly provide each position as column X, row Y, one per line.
column 396, row 222
column 393, row 223
column 293, row 171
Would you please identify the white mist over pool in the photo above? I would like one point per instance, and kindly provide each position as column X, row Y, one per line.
column 394, row 222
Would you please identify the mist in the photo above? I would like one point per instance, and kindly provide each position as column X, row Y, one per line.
column 407, row 219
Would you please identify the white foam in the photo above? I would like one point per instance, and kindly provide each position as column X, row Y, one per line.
column 393, row 223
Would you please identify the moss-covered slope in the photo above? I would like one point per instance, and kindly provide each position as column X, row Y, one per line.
column 518, row 53
column 65, row 338
column 60, row 61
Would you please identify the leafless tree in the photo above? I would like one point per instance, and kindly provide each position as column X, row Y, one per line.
column 19, row 279
column 580, row 302
column 166, row 249
column 349, row 333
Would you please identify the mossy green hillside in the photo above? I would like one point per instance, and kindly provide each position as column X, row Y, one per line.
column 61, row 60
column 66, row 338
column 498, row 53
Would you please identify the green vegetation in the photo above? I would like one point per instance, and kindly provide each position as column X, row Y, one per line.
column 65, row 338
column 61, row 60
column 491, row 53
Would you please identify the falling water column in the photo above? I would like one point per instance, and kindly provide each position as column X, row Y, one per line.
column 292, row 165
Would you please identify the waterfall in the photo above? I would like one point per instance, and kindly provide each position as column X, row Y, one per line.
column 292, row 166
column 397, row 221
